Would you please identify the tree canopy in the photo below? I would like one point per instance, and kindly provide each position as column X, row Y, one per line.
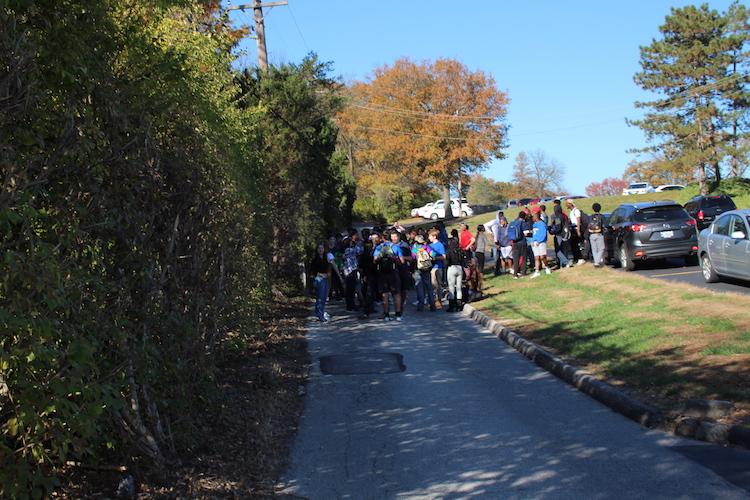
column 416, row 127
column 699, row 69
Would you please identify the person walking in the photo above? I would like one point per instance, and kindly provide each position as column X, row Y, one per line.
column 454, row 260
column 560, row 231
column 539, row 245
column 518, row 238
column 576, row 231
column 424, row 257
column 353, row 287
column 388, row 258
column 438, row 267
column 320, row 269
column 480, row 246
column 596, row 235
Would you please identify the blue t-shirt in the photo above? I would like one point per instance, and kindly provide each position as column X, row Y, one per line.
column 392, row 250
column 439, row 250
column 539, row 232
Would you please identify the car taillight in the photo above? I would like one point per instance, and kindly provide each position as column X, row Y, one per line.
column 637, row 227
column 700, row 215
column 691, row 222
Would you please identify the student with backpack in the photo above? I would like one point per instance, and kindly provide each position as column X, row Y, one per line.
column 454, row 259
column 320, row 269
column 539, row 245
column 560, row 229
column 388, row 258
column 517, row 237
column 424, row 256
column 438, row 266
column 596, row 234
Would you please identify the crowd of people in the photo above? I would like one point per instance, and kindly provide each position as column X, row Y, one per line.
column 375, row 268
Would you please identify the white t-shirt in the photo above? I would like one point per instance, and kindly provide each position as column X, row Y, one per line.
column 575, row 216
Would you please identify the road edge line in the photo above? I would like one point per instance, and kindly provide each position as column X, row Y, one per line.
column 605, row 393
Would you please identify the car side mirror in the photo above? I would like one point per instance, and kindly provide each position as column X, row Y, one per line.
column 738, row 235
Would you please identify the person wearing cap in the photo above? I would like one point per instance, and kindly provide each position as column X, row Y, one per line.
column 424, row 257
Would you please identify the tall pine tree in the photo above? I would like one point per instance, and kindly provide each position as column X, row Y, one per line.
column 691, row 67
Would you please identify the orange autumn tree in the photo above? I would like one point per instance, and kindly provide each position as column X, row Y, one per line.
column 415, row 127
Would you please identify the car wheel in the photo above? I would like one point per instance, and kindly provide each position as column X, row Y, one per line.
column 433, row 216
column 464, row 214
column 626, row 262
column 709, row 274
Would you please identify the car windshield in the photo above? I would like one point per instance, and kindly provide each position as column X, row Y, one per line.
column 660, row 214
column 719, row 202
column 671, row 188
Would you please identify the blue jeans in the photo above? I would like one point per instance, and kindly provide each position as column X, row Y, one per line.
column 423, row 284
column 560, row 250
column 321, row 294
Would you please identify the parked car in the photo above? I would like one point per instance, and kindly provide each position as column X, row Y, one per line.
column 705, row 209
column 548, row 199
column 512, row 204
column 650, row 230
column 437, row 211
column 724, row 247
column 638, row 188
column 669, row 187
column 524, row 201
column 422, row 211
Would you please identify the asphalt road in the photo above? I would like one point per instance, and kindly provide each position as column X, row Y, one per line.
column 467, row 417
column 675, row 270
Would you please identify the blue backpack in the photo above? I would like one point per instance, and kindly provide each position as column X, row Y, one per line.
column 514, row 230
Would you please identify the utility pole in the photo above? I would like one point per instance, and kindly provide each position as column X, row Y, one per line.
column 260, row 27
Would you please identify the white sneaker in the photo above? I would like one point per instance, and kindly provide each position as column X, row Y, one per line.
column 581, row 261
column 327, row 316
column 569, row 264
column 398, row 318
column 547, row 270
column 535, row 275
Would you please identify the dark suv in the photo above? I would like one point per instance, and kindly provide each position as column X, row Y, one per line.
column 704, row 209
column 650, row 230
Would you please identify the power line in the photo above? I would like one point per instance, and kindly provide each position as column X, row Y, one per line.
column 389, row 109
column 298, row 30
column 414, row 134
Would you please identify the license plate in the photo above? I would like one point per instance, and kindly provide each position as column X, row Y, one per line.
column 667, row 234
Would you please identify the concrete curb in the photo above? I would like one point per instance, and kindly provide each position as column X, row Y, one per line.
column 610, row 396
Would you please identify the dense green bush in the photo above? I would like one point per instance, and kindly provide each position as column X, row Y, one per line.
column 134, row 215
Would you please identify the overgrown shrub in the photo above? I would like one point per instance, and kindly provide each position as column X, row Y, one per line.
column 134, row 216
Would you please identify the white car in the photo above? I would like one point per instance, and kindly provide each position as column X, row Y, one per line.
column 669, row 187
column 423, row 211
column 638, row 188
column 437, row 211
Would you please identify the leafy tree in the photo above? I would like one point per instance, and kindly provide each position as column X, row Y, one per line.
column 311, row 192
column 611, row 186
column 136, row 222
column 423, row 125
column 692, row 66
column 484, row 191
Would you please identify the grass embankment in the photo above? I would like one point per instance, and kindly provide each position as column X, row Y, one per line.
column 739, row 189
column 665, row 342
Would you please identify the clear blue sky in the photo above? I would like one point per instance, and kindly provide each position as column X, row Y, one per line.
column 567, row 66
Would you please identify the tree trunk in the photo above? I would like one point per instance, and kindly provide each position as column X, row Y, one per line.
column 447, row 201
column 702, row 179
column 717, row 172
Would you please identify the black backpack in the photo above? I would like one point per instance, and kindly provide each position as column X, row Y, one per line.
column 596, row 223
